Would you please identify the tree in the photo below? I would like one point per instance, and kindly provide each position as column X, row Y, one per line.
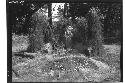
column 20, row 12
column 78, row 9
column 113, row 20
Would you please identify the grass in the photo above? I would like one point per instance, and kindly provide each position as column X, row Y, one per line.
column 112, row 58
column 19, row 43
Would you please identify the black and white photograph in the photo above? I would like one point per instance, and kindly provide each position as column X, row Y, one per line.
column 69, row 41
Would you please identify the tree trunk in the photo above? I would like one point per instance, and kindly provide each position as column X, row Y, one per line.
column 49, row 13
column 65, row 13
column 50, row 20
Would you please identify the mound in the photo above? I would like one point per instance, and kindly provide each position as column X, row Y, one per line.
column 69, row 68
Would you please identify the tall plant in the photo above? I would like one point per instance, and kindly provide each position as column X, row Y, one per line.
column 38, row 31
column 95, row 35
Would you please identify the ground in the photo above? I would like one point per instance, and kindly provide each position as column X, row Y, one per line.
column 110, row 61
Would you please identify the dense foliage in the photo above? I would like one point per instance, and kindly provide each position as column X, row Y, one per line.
column 88, row 25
